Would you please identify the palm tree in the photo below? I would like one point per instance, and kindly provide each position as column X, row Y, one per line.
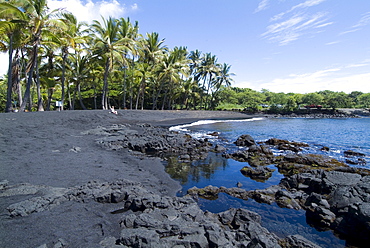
column 129, row 33
column 110, row 47
column 223, row 79
column 40, row 20
column 208, row 70
column 152, row 48
column 151, row 51
column 10, row 29
column 69, row 37
column 80, row 73
column 169, row 71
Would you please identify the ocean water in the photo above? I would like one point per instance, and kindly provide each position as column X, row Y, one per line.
column 338, row 135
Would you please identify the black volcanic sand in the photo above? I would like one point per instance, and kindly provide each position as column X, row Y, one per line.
column 46, row 151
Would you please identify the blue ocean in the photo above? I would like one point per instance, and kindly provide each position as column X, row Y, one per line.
column 338, row 135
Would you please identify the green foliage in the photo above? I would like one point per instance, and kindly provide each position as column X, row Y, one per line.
column 312, row 98
column 229, row 106
column 364, row 100
column 3, row 87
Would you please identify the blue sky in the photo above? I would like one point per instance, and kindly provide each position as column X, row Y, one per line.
column 279, row 45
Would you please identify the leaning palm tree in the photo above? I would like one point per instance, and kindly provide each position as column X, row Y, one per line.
column 109, row 47
column 40, row 22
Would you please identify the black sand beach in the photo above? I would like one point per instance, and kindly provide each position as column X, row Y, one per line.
column 45, row 154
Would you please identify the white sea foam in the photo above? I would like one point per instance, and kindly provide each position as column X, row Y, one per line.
column 205, row 122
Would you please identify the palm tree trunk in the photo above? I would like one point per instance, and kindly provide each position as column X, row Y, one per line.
column 142, row 97
column 69, row 98
column 164, row 99
column 157, row 96
column 137, row 97
column 9, row 104
column 64, row 56
column 40, row 107
column 27, row 93
column 104, row 100
column 79, row 95
column 124, row 88
column 50, row 95
column 207, row 94
column 95, row 96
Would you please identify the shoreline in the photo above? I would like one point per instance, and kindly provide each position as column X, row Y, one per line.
column 87, row 172
column 45, row 154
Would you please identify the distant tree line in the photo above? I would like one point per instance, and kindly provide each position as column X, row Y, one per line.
column 54, row 58
column 253, row 101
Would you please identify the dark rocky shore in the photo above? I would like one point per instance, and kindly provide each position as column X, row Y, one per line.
column 95, row 179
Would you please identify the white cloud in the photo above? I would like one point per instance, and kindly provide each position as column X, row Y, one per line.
column 306, row 4
column 332, row 43
column 297, row 21
column 364, row 21
column 349, row 31
column 335, row 79
column 92, row 10
column 357, row 65
column 134, row 7
column 262, row 5
column 298, row 25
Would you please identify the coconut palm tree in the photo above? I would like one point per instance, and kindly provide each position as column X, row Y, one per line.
column 39, row 21
column 151, row 51
column 207, row 70
column 12, row 19
column 223, row 79
column 128, row 32
column 70, row 36
column 170, row 70
column 109, row 46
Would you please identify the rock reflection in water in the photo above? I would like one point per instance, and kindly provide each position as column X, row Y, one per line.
column 194, row 171
column 218, row 171
column 281, row 221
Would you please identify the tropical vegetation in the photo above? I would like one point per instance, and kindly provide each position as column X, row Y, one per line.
column 57, row 62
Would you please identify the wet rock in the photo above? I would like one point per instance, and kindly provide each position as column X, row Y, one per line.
column 245, row 140
column 255, row 156
column 241, row 156
column 287, row 199
column 209, row 192
column 236, row 192
column 325, row 149
column 350, row 153
column 219, row 149
column 321, row 217
column 297, row 241
column 358, row 161
column 286, row 145
column 337, row 200
column 150, row 140
column 214, row 134
column 297, row 163
column 260, row 173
